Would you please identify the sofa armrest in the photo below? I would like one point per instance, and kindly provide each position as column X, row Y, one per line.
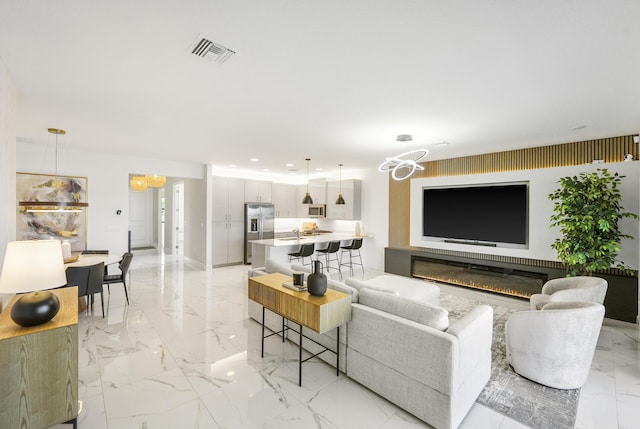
column 562, row 283
column 254, row 272
column 474, row 333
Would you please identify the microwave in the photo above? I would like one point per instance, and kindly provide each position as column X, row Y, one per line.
column 317, row 210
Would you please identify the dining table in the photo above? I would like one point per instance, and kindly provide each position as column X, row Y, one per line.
column 86, row 260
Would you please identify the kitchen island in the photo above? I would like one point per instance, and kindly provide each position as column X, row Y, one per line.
column 279, row 248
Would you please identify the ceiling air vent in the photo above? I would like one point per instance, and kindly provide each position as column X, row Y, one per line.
column 212, row 51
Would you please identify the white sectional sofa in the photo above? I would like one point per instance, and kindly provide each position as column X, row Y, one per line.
column 399, row 344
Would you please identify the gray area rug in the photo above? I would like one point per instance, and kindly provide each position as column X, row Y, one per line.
column 510, row 394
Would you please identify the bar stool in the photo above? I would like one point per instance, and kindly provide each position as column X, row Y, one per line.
column 332, row 248
column 305, row 251
column 353, row 250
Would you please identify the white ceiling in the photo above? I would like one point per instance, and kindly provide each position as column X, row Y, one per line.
column 333, row 80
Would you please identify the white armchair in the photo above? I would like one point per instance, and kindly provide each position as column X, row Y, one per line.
column 554, row 346
column 570, row 289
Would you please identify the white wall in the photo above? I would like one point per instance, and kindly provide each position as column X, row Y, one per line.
column 8, row 97
column 8, row 159
column 542, row 182
column 195, row 204
column 108, row 185
column 375, row 216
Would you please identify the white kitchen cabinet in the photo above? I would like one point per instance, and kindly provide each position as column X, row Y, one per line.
column 228, row 221
column 318, row 191
column 257, row 191
column 351, row 192
column 285, row 199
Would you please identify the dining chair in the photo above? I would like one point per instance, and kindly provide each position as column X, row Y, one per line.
column 88, row 279
column 110, row 279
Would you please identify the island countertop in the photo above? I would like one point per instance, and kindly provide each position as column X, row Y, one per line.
column 305, row 239
column 278, row 248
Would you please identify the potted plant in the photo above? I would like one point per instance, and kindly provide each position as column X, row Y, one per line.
column 587, row 209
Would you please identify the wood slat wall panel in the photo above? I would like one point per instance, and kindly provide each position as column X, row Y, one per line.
column 612, row 149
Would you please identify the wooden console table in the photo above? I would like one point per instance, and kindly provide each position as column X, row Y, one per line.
column 39, row 367
column 319, row 313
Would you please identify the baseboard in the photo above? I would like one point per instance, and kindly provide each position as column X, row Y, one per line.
column 198, row 264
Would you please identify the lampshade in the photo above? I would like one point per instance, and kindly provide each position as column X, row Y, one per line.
column 138, row 183
column 155, row 181
column 32, row 266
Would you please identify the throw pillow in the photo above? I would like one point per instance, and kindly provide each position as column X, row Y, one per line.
column 417, row 311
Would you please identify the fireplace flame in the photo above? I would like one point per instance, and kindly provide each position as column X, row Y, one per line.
column 480, row 286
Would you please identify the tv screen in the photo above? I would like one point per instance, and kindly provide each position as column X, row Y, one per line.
column 483, row 214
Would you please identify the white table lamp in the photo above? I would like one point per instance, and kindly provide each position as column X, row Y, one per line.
column 33, row 266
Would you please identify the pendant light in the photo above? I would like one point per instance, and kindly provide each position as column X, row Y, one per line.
column 307, row 198
column 340, row 199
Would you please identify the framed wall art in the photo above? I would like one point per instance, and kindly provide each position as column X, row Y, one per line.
column 52, row 206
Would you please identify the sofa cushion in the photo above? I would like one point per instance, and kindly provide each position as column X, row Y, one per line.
column 418, row 290
column 301, row 268
column 273, row 266
column 417, row 311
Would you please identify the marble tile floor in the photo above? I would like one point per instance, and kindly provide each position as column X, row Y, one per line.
column 184, row 354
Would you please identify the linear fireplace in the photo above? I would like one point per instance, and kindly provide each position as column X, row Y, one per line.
column 521, row 284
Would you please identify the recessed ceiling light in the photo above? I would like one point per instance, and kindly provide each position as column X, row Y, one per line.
column 318, row 169
column 404, row 138
column 265, row 169
column 290, row 164
column 232, row 166
column 578, row 127
column 254, row 159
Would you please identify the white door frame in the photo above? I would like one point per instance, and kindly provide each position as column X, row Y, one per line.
column 178, row 218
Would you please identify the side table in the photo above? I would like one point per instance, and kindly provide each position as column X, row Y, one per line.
column 318, row 313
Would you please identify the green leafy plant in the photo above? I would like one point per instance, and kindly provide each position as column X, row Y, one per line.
column 587, row 209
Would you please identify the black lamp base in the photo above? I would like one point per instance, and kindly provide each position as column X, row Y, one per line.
column 35, row 308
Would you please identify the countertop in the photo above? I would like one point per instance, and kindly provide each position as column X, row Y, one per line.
column 293, row 241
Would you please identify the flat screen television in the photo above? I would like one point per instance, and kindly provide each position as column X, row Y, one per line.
column 487, row 214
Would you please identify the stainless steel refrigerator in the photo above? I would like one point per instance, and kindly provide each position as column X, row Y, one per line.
column 258, row 225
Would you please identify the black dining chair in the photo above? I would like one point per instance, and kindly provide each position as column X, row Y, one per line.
column 305, row 251
column 124, row 264
column 353, row 250
column 331, row 249
column 89, row 282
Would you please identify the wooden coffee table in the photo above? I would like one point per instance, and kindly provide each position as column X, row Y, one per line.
column 318, row 313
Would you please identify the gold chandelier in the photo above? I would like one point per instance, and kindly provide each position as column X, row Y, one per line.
column 138, row 183
column 141, row 183
column 155, row 181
